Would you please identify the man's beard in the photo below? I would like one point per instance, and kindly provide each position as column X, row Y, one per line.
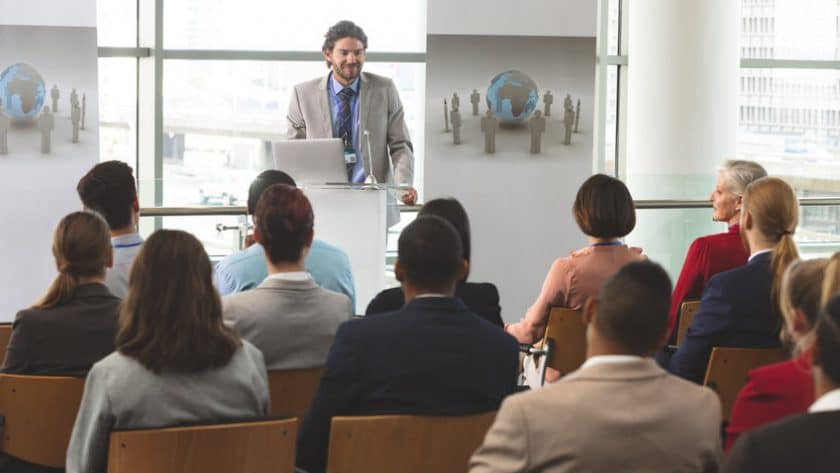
column 343, row 72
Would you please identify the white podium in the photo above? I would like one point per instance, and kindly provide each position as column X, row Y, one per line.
column 353, row 218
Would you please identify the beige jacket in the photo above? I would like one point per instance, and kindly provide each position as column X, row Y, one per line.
column 614, row 417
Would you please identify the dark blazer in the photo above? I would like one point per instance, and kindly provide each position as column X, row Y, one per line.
column 64, row 340
column 807, row 442
column 480, row 297
column 736, row 311
column 432, row 357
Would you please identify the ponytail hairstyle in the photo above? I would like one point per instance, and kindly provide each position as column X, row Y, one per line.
column 827, row 345
column 775, row 212
column 801, row 291
column 831, row 281
column 82, row 248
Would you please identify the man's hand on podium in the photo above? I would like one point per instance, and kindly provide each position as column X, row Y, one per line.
column 409, row 197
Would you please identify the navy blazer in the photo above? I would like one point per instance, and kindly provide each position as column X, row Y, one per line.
column 736, row 311
column 481, row 298
column 432, row 357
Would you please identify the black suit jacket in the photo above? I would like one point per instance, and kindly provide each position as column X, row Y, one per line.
column 64, row 340
column 432, row 357
column 481, row 297
column 807, row 442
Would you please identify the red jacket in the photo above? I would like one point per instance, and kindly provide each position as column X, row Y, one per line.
column 707, row 256
column 771, row 393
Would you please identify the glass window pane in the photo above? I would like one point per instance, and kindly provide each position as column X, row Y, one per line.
column 790, row 123
column 610, row 134
column 118, row 110
column 284, row 26
column 221, row 116
column 613, row 26
column 116, row 23
column 218, row 233
column 790, row 29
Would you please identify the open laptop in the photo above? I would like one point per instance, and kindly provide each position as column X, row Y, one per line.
column 311, row 161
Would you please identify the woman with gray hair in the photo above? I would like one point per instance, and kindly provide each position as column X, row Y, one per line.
column 712, row 254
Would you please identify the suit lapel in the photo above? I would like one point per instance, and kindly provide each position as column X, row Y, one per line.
column 324, row 107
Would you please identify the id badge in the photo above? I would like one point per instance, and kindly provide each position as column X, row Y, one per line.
column 349, row 155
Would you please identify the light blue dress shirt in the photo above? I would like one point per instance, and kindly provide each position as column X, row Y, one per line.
column 328, row 265
column 333, row 88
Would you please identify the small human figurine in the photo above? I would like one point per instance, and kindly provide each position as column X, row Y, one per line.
column 4, row 130
column 577, row 116
column 84, row 109
column 475, row 98
column 536, row 125
column 456, row 101
column 55, row 94
column 489, row 125
column 74, row 98
column 46, row 124
column 569, row 123
column 76, row 119
column 567, row 102
column 548, row 99
column 455, row 118
column 445, row 117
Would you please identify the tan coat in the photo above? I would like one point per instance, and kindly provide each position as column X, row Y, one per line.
column 612, row 417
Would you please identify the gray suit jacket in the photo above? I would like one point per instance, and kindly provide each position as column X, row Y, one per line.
column 380, row 113
column 293, row 323
column 628, row 417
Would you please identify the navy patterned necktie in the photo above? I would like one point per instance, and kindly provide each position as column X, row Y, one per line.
column 345, row 116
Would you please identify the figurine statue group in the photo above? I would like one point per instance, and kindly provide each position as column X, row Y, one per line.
column 490, row 123
column 46, row 120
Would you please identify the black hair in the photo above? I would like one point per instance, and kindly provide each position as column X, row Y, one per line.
column 109, row 189
column 262, row 182
column 429, row 253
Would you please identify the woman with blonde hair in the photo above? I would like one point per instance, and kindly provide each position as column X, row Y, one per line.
column 740, row 307
column 176, row 362
column 73, row 325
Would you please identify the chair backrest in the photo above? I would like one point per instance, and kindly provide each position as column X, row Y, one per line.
column 249, row 447
column 727, row 371
column 5, row 335
column 38, row 416
column 407, row 444
column 567, row 333
column 688, row 310
column 292, row 391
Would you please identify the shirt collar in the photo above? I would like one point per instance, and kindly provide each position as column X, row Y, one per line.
column 129, row 239
column 429, row 295
column 336, row 87
column 759, row 252
column 290, row 276
column 829, row 401
column 607, row 359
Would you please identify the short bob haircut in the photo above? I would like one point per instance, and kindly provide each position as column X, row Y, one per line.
column 284, row 221
column 604, row 208
column 453, row 212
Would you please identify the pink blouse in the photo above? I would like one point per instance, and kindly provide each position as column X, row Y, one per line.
column 570, row 282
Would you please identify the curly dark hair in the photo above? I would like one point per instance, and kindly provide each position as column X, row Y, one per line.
column 343, row 29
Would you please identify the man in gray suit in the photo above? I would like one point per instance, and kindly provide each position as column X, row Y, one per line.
column 619, row 411
column 288, row 317
column 346, row 103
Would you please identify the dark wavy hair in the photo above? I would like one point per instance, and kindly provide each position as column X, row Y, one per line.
column 343, row 29
column 109, row 189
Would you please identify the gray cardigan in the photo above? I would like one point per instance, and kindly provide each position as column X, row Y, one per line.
column 292, row 322
column 121, row 394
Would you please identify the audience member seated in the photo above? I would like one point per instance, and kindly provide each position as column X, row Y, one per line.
column 109, row 189
column 784, row 389
column 288, row 317
column 807, row 442
column 175, row 363
column 739, row 307
column 74, row 323
column 619, row 411
column 246, row 269
column 712, row 254
column 482, row 298
column 604, row 211
column 431, row 357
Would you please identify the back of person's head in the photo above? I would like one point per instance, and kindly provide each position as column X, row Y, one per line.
column 82, row 248
column 738, row 174
column 800, row 298
column 453, row 212
column 284, row 223
column 429, row 255
column 604, row 208
column 774, row 210
column 109, row 189
column 632, row 309
column 831, row 281
column 171, row 319
column 262, row 182
column 827, row 345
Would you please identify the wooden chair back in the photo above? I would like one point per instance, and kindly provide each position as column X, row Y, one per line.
column 566, row 334
column 688, row 310
column 5, row 335
column 248, row 447
column 38, row 416
column 292, row 391
column 727, row 371
column 408, row 444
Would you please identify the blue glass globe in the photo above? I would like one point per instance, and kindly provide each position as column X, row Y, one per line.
column 512, row 96
column 22, row 91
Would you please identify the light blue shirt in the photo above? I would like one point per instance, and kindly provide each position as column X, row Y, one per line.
column 333, row 88
column 328, row 265
column 126, row 248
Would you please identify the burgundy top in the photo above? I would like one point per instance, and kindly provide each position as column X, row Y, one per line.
column 707, row 256
column 771, row 393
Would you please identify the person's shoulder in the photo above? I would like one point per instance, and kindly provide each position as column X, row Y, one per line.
column 484, row 290
column 238, row 259
column 324, row 249
column 330, row 297
column 377, row 80
column 309, row 84
column 248, row 354
column 782, row 376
